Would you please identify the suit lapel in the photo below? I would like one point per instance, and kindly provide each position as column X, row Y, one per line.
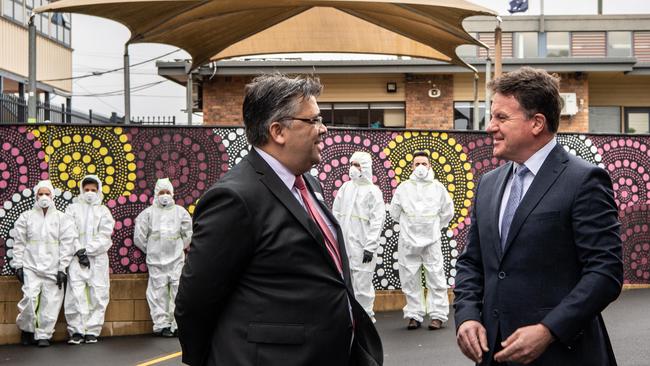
column 282, row 193
column 271, row 180
column 553, row 166
column 495, row 205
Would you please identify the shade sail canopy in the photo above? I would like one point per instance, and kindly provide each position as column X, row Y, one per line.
column 218, row 29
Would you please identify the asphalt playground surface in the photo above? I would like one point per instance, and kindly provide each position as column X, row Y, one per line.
column 627, row 319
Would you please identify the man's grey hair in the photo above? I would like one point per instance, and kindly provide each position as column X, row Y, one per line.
column 272, row 97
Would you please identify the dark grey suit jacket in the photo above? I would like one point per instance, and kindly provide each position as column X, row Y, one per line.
column 561, row 265
column 259, row 287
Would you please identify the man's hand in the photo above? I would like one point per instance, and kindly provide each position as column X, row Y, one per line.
column 61, row 279
column 472, row 340
column 367, row 256
column 20, row 275
column 525, row 345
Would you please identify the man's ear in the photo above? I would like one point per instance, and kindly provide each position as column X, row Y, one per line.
column 277, row 133
column 539, row 124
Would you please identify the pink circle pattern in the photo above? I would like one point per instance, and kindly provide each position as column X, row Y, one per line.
column 22, row 161
column 627, row 160
column 124, row 256
column 635, row 234
column 193, row 160
column 479, row 152
column 339, row 145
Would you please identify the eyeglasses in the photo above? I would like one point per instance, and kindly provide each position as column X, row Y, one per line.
column 318, row 120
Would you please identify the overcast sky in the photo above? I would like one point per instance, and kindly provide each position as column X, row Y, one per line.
column 99, row 45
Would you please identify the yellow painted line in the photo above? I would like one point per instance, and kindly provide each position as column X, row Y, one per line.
column 160, row 359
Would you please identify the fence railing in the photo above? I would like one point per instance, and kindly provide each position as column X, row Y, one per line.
column 13, row 109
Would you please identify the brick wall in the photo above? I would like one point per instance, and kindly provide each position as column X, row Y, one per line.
column 222, row 100
column 576, row 83
column 423, row 111
column 127, row 312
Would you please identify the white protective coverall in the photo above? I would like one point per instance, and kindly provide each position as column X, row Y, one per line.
column 422, row 207
column 162, row 232
column 359, row 207
column 88, row 287
column 43, row 246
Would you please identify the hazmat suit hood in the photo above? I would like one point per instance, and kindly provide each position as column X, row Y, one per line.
column 161, row 184
column 100, row 195
column 43, row 184
column 365, row 161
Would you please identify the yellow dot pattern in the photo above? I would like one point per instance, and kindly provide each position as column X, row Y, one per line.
column 449, row 164
column 74, row 151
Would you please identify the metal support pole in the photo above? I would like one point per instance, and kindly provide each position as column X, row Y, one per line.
column 31, row 101
column 68, row 107
column 498, row 54
column 2, row 85
column 127, row 86
column 46, row 106
column 488, row 91
column 475, row 117
column 188, row 97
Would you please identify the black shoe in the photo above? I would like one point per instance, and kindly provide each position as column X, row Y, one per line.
column 413, row 324
column 43, row 343
column 26, row 338
column 76, row 339
column 167, row 333
column 89, row 338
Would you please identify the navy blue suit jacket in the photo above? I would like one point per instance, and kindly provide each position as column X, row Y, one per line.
column 561, row 264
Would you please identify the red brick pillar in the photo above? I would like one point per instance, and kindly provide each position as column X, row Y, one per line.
column 423, row 109
column 222, row 100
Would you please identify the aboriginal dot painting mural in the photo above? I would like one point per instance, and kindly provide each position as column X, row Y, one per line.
column 129, row 160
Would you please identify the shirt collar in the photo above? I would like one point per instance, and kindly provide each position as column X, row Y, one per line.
column 534, row 163
column 285, row 175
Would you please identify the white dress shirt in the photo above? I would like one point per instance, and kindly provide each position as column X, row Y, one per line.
column 534, row 163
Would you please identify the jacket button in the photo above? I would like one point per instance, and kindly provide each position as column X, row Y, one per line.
column 495, row 313
column 502, row 275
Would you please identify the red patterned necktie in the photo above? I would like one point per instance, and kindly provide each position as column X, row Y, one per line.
column 310, row 205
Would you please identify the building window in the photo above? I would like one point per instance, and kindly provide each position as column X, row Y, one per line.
column 619, row 44
column 13, row 9
column 605, row 119
column 464, row 115
column 558, row 44
column 637, row 120
column 61, row 27
column 374, row 115
column 526, row 44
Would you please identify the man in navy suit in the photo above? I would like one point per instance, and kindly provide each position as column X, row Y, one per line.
column 543, row 257
column 267, row 281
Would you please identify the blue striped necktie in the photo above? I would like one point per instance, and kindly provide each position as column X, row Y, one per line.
column 516, row 193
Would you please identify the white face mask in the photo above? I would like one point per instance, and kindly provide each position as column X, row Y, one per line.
column 90, row 196
column 165, row 199
column 421, row 171
column 355, row 173
column 44, row 201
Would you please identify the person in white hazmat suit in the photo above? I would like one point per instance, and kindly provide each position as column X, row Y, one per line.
column 423, row 207
column 359, row 207
column 43, row 248
column 163, row 231
column 87, row 294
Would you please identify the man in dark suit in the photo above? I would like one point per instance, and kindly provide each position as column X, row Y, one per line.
column 267, row 281
column 543, row 257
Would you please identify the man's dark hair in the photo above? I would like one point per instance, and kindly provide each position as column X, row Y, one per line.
column 420, row 153
column 87, row 181
column 271, row 97
column 536, row 91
